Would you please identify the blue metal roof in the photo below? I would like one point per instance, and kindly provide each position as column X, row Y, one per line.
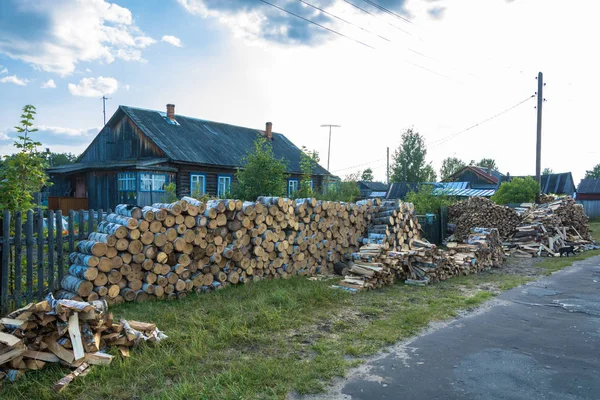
column 465, row 192
column 453, row 185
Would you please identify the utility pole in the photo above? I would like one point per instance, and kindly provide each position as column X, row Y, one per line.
column 538, row 153
column 329, row 148
column 104, row 98
column 388, row 166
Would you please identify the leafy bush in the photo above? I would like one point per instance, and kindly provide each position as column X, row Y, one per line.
column 171, row 190
column 518, row 190
column 426, row 202
column 346, row 191
column 262, row 174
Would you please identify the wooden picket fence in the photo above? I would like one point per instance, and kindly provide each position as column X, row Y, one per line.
column 35, row 251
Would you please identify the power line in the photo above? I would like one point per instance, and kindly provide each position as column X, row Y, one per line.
column 344, row 20
column 317, row 24
column 446, row 138
column 387, row 11
column 376, row 16
column 359, row 165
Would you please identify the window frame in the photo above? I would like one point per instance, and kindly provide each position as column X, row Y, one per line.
column 297, row 181
column 133, row 178
column 219, row 176
column 192, row 174
column 152, row 175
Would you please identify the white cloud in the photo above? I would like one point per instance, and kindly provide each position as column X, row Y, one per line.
column 49, row 85
column 88, row 70
column 3, row 70
column 94, row 87
column 14, row 79
column 4, row 136
column 127, row 87
column 72, row 31
column 175, row 41
column 58, row 130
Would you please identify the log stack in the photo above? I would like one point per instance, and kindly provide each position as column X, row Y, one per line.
column 481, row 212
column 68, row 332
column 394, row 225
column 173, row 249
column 546, row 228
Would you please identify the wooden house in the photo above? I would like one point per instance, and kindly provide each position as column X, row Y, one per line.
column 477, row 177
column 139, row 152
column 588, row 194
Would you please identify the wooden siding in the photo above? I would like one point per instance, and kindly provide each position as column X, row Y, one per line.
column 121, row 141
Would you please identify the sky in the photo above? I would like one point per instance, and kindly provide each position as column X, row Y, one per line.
column 437, row 66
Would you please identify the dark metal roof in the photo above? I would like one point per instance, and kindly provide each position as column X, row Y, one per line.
column 493, row 177
column 399, row 190
column 374, row 186
column 197, row 141
column 589, row 185
column 561, row 183
column 135, row 164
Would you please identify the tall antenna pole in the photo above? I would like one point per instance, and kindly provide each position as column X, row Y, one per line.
column 329, row 148
column 538, row 152
column 104, row 98
column 388, row 166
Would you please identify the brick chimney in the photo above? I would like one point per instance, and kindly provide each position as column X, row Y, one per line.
column 269, row 130
column 171, row 111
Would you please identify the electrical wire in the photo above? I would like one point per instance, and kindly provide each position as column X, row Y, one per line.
column 317, row 24
column 387, row 11
column 376, row 16
column 359, row 165
column 446, row 138
column 344, row 20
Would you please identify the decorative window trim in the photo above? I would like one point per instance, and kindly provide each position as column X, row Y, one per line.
column 230, row 176
column 127, row 177
column 152, row 176
column 203, row 183
column 290, row 180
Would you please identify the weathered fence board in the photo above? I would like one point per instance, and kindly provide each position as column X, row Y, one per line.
column 35, row 249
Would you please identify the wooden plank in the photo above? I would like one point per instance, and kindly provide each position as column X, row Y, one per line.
column 61, row 384
column 18, row 266
column 5, row 253
column 40, row 254
column 81, row 234
column 90, row 227
column 75, row 335
column 50, row 278
column 58, row 350
column 59, row 245
column 13, row 323
column 98, row 358
column 41, row 355
column 11, row 355
column 29, row 254
column 8, row 339
column 71, row 222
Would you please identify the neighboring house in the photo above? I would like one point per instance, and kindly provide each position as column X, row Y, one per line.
column 372, row 189
column 588, row 194
column 139, row 152
column 477, row 177
column 556, row 183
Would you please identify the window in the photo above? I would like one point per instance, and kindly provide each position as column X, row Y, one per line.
column 197, row 184
column 224, row 187
column 152, row 182
column 292, row 186
column 126, row 182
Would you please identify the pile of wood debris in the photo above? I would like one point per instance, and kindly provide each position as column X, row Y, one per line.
column 481, row 212
column 547, row 228
column 72, row 333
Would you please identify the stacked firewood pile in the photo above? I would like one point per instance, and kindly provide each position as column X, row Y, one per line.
column 169, row 250
column 482, row 245
column 547, row 228
column 546, row 198
column 72, row 333
column 481, row 212
column 394, row 226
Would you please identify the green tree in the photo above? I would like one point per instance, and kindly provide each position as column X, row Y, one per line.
column 518, row 190
column 547, row 171
column 451, row 165
column 171, row 190
column 24, row 172
column 262, row 174
column 594, row 173
column 367, row 175
column 308, row 161
column 487, row 163
column 429, row 174
column 427, row 202
column 58, row 159
column 409, row 159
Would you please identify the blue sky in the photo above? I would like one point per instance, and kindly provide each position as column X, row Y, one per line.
column 439, row 66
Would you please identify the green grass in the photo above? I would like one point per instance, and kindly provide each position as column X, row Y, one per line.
column 263, row 340
column 553, row 264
